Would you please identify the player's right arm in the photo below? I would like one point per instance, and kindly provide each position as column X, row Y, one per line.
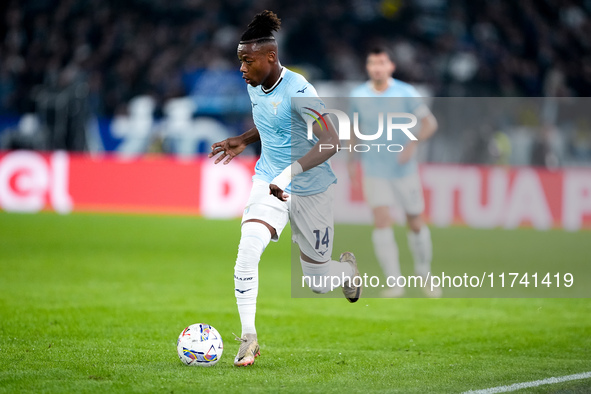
column 428, row 128
column 233, row 146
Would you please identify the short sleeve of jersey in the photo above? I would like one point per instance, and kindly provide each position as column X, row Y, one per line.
column 306, row 98
column 353, row 107
column 415, row 104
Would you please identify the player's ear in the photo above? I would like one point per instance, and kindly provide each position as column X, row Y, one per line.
column 272, row 56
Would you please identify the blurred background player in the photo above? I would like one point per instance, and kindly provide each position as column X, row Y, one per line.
column 279, row 120
column 390, row 178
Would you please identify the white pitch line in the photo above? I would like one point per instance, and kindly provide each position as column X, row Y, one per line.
column 519, row 386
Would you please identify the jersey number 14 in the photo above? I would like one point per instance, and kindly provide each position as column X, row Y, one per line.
column 325, row 239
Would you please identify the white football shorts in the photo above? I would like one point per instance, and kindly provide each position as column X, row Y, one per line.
column 387, row 192
column 312, row 222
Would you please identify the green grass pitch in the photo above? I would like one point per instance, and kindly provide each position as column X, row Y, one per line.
column 94, row 303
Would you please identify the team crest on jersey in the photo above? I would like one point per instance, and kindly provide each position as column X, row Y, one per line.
column 275, row 105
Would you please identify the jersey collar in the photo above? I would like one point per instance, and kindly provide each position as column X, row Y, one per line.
column 391, row 82
column 283, row 70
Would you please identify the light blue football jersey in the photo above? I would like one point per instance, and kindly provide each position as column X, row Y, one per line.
column 283, row 129
column 399, row 97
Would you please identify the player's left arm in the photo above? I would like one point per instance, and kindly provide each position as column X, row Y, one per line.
column 428, row 127
column 327, row 145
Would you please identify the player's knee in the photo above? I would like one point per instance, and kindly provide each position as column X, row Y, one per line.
column 255, row 236
column 381, row 217
column 382, row 222
column 415, row 223
column 253, row 240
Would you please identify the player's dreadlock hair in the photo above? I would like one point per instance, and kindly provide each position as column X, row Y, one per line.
column 261, row 28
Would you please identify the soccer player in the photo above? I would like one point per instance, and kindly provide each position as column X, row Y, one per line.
column 279, row 123
column 393, row 177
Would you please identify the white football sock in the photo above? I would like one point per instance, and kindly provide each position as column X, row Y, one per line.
column 253, row 241
column 421, row 248
column 386, row 251
column 321, row 274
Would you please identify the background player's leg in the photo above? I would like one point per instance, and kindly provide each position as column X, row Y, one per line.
column 255, row 236
column 419, row 241
column 421, row 246
column 380, row 195
column 384, row 243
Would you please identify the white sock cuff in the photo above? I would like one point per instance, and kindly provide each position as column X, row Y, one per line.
column 317, row 273
column 314, row 268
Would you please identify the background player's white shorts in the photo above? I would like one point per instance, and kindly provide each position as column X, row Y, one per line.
column 407, row 192
column 312, row 222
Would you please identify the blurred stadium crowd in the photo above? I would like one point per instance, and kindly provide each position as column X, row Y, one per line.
column 98, row 55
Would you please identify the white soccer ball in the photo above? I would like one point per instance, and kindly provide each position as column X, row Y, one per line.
column 200, row 344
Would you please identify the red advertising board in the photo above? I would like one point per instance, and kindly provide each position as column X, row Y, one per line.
column 482, row 197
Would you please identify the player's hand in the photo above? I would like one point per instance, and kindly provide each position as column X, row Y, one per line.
column 407, row 153
column 277, row 192
column 229, row 148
